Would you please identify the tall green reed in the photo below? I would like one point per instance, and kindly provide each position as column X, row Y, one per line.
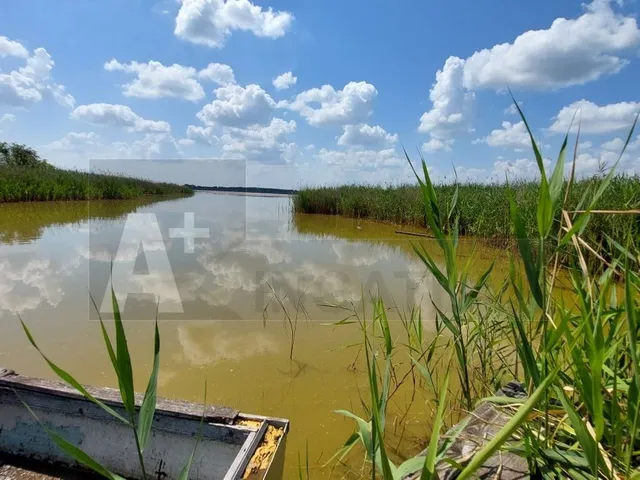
column 577, row 356
column 138, row 419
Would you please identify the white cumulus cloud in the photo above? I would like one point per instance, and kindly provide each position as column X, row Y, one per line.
column 74, row 141
column 219, row 73
column 210, row 22
column 616, row 145
column 512, row 109
column 284, row 81
column 32, row 82
column 520, row 169
column 510, row 135
column 118, row 116
column 361, row 159
column 155, row 80
column 449, row 99
column 237, row 106
column 261, row 143
column 569, row 52
column 435, row 145
column 201, row 135
column 11, row 48
column 352, row 104
column 151, row 145
column 364, row 135
column 595, row 118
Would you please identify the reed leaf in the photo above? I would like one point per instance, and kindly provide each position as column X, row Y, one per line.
column 124, row 361
column 429, row 468
column 148, row 408
column 66, row 377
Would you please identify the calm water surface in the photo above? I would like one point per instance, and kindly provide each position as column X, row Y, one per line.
column 232, row 286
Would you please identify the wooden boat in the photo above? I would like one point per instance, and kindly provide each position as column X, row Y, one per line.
column 232, row 445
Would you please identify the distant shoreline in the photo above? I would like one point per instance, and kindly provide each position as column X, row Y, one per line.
column 259, row 190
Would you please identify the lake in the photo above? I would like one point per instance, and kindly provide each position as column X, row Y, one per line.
column 221, row 304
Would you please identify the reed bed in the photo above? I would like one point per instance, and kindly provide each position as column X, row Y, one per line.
column 47, row 183
column 482, row 209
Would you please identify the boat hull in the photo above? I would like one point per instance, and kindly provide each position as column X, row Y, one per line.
column 225, row 448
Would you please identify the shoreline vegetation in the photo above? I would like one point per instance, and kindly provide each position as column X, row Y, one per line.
column 482, row 210
column 25, row 177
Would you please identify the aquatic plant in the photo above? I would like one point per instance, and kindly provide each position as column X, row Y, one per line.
column 577, row 359
column 138, row 419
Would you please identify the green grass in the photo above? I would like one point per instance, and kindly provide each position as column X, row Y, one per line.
column 482, row 209
column 47, row 183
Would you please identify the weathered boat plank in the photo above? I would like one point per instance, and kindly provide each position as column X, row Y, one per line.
column 111, row 396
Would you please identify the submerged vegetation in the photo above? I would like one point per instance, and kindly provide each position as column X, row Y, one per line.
column 577, row 358
column 482, row 210
column 25, row 177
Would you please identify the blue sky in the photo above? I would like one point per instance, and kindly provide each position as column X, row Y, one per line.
column 195, row 79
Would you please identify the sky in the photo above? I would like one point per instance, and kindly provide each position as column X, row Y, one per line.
column 304, row 93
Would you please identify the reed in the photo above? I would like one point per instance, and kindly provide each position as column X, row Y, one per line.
column 482, row 209
column 28, row 184
column 577, row 359
column 25, row 177
column 138, row 417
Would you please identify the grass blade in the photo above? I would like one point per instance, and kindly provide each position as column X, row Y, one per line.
column 148, row 408
column 124, row 361
column 66, row 377
column 588, row 443
column 429, row 468
column 526, row 252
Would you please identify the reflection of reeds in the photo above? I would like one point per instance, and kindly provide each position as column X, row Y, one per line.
column 577, row 360
column 21, row 222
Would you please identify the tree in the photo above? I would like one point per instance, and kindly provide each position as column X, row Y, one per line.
column 17, row 155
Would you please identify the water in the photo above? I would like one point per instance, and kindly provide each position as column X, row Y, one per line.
column 231, row 329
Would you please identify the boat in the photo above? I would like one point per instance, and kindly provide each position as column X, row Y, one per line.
column 231, row 445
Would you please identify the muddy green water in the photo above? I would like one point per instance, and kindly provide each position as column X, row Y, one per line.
column 231, row 330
